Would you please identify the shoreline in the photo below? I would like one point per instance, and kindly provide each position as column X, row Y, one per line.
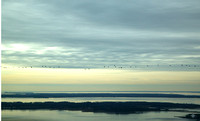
column 60, row 95
column 100, row 107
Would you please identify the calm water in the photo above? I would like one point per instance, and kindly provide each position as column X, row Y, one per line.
column 105, row 99
column 46, row 115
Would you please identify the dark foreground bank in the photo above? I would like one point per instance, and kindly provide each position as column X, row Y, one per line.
column 106, row 107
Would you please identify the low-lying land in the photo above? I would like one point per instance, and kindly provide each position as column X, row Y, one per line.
column 62, row 95
column 106, row 107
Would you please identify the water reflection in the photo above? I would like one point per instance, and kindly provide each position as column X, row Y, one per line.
column 105, row 99
column 47, row 115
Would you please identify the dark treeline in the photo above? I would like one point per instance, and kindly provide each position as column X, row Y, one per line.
column 60, row 95
column 106, row 107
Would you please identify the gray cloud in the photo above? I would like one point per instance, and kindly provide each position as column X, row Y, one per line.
column 76, row 33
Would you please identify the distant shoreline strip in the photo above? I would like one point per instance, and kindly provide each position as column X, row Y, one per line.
column 63, row 95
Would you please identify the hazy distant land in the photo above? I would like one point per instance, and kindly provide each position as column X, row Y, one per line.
column 62, row 95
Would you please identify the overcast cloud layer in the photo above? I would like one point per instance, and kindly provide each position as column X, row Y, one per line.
column 78, row 33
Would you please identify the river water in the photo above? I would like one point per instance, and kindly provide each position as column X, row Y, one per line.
column 52, row 115
column 105, row 99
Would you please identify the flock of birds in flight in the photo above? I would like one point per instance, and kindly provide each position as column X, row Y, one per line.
column 113, row 66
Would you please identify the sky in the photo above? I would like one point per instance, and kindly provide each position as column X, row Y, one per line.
column 79, row 34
